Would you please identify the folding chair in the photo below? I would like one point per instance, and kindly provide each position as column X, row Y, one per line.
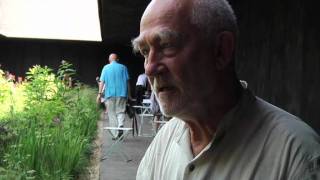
column 116, row 146
column 143, row 112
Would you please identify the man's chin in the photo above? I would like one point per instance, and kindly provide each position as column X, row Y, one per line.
column 168, row 110
column 167, row 113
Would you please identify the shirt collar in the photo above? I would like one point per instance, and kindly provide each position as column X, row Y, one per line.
column 229, row 119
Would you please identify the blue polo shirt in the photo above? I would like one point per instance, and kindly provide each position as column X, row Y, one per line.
column 115, row 77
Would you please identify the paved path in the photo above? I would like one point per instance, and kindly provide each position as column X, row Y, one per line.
column 114, row 167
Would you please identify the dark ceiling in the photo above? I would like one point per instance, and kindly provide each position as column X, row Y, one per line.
column 120, row 19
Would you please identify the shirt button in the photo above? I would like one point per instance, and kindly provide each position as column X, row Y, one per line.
column 191, row 167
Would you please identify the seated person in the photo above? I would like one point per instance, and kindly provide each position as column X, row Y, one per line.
column 141, row 87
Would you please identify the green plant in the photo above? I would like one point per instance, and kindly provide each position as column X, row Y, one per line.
column 53, row 132
column 66, row 69
column 11, row 98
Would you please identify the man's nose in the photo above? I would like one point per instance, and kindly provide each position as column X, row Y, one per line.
column 153, row 65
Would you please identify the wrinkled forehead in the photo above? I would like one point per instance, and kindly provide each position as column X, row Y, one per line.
column 163, row 20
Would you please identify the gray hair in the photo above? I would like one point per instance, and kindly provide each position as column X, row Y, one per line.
column 213, row 16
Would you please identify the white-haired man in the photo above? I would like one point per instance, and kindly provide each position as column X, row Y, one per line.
column 219, row 130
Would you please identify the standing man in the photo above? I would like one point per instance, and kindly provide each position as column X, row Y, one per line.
column 219, row 129
column 115, row 81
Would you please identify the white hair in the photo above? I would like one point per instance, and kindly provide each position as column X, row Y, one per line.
column 213, row 16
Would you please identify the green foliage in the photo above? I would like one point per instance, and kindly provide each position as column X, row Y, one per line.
column 11, row 98
column 50, row 135
column 66, row 70
column 4, row 89
column 42, row 85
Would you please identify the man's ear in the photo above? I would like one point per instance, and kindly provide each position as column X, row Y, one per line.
column 225, row 45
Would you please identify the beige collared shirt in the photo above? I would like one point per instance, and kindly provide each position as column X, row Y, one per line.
column 256, row 141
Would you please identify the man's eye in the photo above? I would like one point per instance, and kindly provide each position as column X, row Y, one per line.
column 168, row 49
column 144, row 52
column 166, row 45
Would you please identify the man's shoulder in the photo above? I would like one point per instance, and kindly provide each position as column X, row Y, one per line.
column 274, row 136
column 123, row 66
column 115, row 65
column 120, row 66
column 287, row 129
column 169, row 133
column 173, row 127
column 282, row 120
column 294, row 132
column 107, row 66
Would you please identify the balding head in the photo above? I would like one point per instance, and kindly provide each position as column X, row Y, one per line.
column 212, row 17
column 208, row 17
column 113, row 57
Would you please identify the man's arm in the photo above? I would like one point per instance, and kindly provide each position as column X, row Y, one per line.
column 101, row 85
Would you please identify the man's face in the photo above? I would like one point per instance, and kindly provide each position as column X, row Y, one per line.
column 176, row 61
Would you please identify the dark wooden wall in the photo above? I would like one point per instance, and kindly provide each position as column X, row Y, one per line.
column 88, row 58
column 17, row 55
column 279, row 54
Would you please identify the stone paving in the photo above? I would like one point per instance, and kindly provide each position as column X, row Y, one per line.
column 114, row 167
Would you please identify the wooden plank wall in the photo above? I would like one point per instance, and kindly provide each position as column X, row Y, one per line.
column 279, row 54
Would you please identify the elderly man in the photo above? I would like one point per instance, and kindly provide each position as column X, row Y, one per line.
column 114, row 80
column 219, row 130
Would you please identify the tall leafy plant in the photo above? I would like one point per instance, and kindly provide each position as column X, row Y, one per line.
column 41, row 92
column 55, row 130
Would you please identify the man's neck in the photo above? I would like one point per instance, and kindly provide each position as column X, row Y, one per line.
column 200, row 136
column 204, row 124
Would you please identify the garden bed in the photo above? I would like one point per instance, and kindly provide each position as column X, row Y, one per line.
column 47, row 125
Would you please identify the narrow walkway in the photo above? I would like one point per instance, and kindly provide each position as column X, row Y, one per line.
column 114, row 167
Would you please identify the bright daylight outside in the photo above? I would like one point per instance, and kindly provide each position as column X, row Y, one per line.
column 50, row 19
